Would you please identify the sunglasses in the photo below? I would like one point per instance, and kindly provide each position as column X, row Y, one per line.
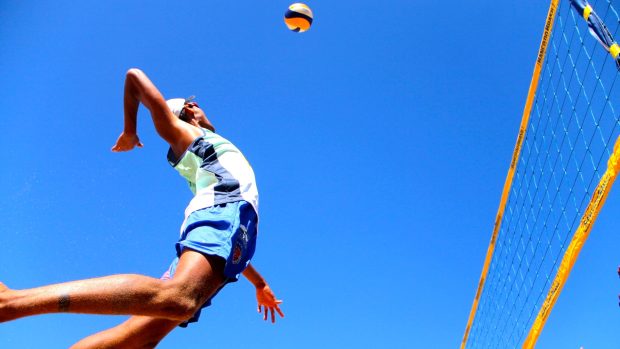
column 188, row 101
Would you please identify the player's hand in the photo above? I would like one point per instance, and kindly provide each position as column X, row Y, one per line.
column 267, row 303
column 126, row 142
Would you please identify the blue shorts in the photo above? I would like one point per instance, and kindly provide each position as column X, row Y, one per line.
column 226, row 230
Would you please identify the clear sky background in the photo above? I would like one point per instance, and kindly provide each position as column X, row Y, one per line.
column 380, row 140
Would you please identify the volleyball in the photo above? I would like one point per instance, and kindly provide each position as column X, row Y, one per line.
column 298, row 17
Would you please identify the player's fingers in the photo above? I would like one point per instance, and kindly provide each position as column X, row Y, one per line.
column 273, row 316
column 279, row 311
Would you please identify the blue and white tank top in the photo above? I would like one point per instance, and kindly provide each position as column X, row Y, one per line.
column 216, row 171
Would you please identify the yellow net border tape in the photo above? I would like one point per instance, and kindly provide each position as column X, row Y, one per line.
column 513, row 164
column 579, row 238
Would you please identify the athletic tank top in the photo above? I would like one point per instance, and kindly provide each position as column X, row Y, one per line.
column 216, row 171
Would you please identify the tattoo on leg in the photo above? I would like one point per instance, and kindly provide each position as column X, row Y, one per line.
column 63, row 303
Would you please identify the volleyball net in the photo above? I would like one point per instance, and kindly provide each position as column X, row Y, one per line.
column 562, row 169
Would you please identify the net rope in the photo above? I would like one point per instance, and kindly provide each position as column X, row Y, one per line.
column 570, row 135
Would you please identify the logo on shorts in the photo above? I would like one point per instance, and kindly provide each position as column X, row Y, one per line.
column 240, row 244
column 237, row 254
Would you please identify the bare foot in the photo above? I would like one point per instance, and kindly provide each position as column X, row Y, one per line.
column 3, row 310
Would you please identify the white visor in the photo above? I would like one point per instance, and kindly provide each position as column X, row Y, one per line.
column 176, row 105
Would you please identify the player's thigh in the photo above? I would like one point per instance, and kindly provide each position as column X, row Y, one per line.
column 199, row 272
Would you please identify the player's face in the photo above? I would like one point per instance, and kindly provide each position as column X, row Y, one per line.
column 191, row 111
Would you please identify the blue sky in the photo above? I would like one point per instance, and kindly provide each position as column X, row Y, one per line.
column 380, row 140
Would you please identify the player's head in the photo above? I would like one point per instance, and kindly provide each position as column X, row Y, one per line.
column 188, row 110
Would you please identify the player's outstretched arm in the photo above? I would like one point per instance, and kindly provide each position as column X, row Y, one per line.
column 140, row 89
column 264, row 295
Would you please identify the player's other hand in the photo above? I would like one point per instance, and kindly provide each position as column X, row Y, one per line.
column 126, row 142
column 268, row 304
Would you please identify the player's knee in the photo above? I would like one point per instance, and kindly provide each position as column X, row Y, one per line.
column 179, row 308
column 178, row 302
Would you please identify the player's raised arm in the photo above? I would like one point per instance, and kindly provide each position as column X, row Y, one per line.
column 264, row 295
column 140, row 89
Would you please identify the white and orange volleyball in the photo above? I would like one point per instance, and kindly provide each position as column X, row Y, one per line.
column 298, row 17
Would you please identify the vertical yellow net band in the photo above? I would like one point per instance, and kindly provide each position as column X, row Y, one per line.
column 566, row 158
column 577, row 242
column 515, row 157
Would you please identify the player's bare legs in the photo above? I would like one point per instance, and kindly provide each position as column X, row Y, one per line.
column 139, row 332
column 196, row 279
column 144, row 331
